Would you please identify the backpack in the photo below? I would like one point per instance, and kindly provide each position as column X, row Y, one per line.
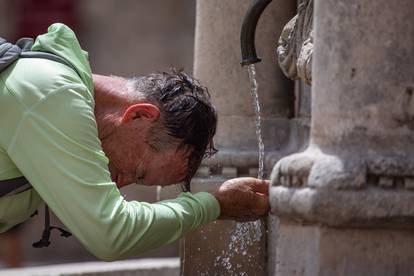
column 9, row 53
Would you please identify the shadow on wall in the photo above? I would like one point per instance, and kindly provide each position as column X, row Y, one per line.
column 125, row 38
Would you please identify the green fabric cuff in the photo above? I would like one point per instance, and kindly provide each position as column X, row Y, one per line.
column 211, row 204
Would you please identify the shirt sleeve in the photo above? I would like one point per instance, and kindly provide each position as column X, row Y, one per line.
column 56, row 147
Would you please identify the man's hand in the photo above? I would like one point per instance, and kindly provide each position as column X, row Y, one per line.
column 243, row 199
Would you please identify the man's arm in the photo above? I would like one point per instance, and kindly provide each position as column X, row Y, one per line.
column 56, row 147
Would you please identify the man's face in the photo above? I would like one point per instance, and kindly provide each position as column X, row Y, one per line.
column 165, row 168
column 133, row 160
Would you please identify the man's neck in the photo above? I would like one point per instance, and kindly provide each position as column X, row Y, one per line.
column 110, row 102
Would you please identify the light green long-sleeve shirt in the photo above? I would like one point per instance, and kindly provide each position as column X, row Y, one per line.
column 48, row 134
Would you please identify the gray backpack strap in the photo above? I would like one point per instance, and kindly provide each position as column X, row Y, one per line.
column 9, row 53
column 13, row 186
column 49, row 56
column 25, row 43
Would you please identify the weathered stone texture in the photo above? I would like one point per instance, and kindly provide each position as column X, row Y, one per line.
column 217, row 65
column 295, row 46
column 357, row 139
column 363, row 75
column 313, row 250
column 346, row 203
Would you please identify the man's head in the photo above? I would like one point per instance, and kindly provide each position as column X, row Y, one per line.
column 156, row 128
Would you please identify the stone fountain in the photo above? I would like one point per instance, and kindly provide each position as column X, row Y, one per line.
column 346, row 203
column 343, row 175
column 210, row 250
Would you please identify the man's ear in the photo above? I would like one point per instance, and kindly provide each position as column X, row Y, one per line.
column 144, row 111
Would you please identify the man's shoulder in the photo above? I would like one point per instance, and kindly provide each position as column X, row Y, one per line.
column 60, row 40
column 31, row 80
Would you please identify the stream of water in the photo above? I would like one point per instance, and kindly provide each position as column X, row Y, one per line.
column 246, row 234
column 256, row 105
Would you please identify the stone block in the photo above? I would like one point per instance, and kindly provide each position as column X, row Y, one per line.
column 409, row 183
column 203, row 171
column 317, row 250
column 386, row 182
column 229, row 172
column 371, row 207
column 253, row 172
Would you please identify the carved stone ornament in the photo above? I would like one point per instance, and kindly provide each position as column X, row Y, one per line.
column 358, row 170
column 295, row 46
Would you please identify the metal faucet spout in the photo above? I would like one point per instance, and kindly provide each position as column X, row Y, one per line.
column 248, row 31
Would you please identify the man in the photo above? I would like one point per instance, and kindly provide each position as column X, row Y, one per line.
column 76, row 137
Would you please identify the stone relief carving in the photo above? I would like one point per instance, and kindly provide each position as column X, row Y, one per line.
column 295, row 46
column 404, row 110
column 342, row 171
column 342, row 189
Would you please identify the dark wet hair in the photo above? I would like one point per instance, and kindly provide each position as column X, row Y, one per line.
column 188, row 119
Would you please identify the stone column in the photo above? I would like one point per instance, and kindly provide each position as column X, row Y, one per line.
column 346, row 202
column 209, row 251
column 217, row 65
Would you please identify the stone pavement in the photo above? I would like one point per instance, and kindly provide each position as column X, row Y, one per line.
column 141, row 267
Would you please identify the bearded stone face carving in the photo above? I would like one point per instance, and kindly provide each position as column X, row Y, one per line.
column 295, row 46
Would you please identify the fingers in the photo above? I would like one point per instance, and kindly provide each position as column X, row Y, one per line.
column 260, row 186
column 262, row 205
column 256, row 185
column 258, row 206
column 243, row 199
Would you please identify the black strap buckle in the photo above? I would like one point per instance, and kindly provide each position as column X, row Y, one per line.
column 45, row 240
